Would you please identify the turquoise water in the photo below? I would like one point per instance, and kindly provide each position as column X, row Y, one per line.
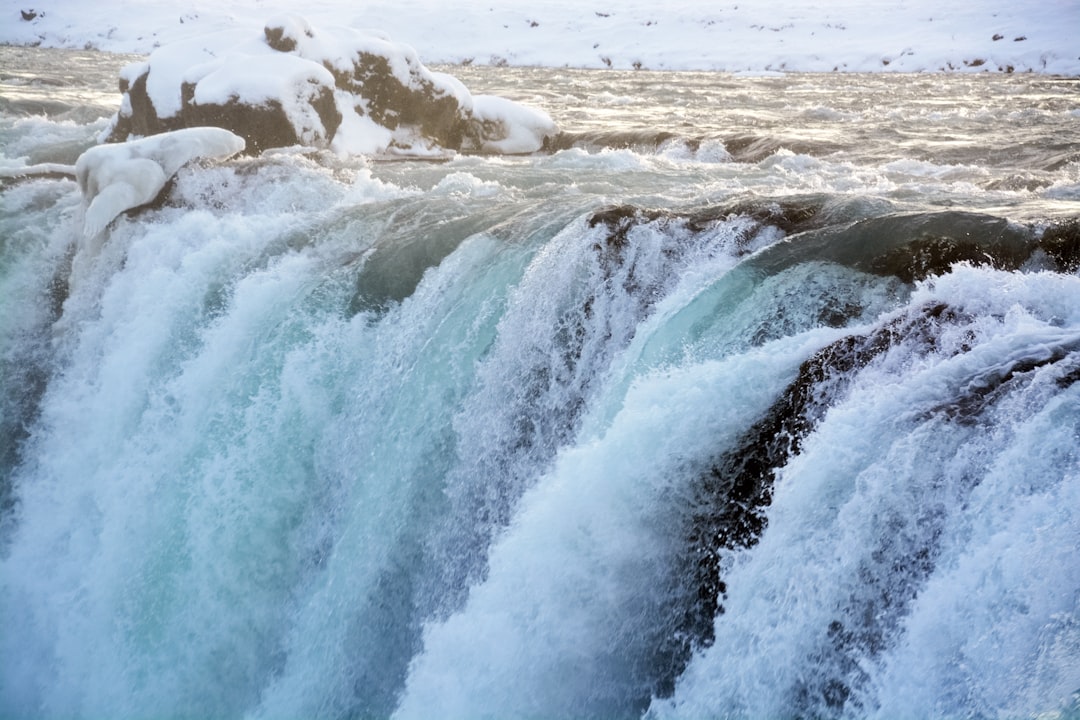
column 330, row 437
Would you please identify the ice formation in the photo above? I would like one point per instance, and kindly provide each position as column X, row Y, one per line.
column 117, row 177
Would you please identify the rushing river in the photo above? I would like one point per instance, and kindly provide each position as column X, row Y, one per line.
column 750, row 397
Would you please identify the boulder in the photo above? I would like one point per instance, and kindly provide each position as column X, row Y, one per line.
column 295, row 85
column 270, row 99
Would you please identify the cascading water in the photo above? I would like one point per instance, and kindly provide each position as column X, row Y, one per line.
column 646, row 425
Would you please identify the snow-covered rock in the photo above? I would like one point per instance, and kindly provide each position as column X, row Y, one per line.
column 118, row 177
column 293, row 84
column 509, row 128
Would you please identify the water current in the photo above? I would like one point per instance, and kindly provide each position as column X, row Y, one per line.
column 748, row 397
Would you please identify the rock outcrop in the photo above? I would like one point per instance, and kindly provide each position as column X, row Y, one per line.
column 295, row 85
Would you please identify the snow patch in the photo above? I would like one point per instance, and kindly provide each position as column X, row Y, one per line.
column 774, row 37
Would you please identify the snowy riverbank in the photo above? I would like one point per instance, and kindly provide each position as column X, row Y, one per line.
column 735, row 35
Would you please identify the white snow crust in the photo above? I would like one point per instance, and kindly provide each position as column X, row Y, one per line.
column 118, row 177
column 521, row 129
column 731, row 35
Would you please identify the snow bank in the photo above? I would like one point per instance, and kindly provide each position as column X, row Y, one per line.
column 289, row 83
column 735, row 36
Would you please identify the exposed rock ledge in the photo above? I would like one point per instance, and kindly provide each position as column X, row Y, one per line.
column 352, row 91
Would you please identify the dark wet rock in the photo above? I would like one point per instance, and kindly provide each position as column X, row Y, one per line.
column 723, row 227
column 919, row 246
column 734, row 494
column 790, row 215
column 751, row 148
column 755, row 148
column 28, row 15
column 620, row 219
column 909, row 247
column 935, row 255
column 1061, row 242
column 595, row 141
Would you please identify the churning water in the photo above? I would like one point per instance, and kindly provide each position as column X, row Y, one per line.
column 747, row 398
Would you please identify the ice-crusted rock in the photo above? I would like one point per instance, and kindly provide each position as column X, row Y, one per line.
column 353, row 91
column 117, row 178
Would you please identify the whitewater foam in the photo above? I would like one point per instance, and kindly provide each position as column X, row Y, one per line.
column 325, row 436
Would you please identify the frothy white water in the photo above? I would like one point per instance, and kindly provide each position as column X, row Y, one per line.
column 889, row 487
column 320, row 437
column 578, row 603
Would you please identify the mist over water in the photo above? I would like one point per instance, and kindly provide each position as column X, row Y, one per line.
column 748, row 397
